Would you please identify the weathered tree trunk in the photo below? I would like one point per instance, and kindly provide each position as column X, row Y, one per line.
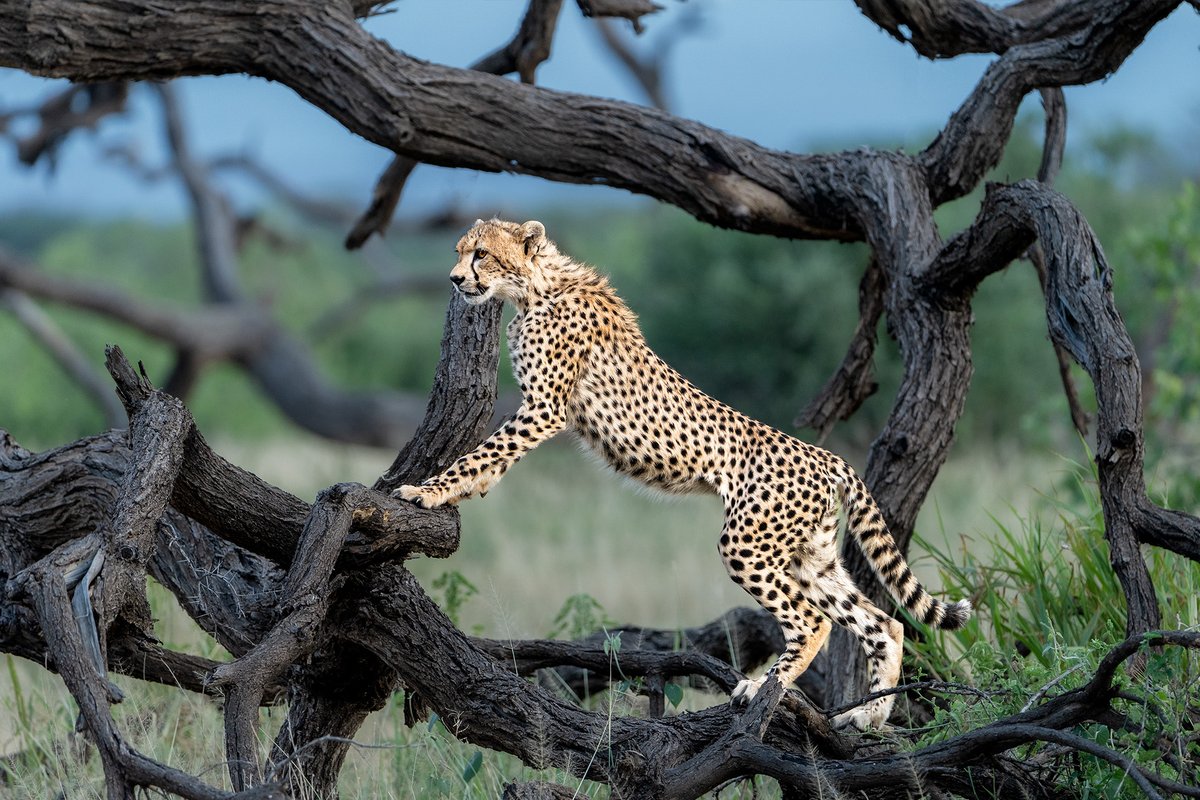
column 317, row 603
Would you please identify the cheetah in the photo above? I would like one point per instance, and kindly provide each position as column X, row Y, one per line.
column 582, row 364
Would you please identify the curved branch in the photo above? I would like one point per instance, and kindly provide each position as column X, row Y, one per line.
column 49, row 335
column 210, row 332
column 940, row 29
column 973, row 140
column 1083, row 319
column 62, row 114
column 529, row 47
column 854, row 381
column 632, row 10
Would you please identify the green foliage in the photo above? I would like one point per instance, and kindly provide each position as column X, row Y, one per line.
column 752, row 320
column 1167, row 254
column 1049, row 608
column 455, row 591
column 1155, row 702
column 1044, row 585
column 473, row 766
column 580, row 615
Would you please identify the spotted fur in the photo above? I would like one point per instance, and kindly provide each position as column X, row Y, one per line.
column 582, row 363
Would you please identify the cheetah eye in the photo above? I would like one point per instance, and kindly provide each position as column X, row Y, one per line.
column 480, row 253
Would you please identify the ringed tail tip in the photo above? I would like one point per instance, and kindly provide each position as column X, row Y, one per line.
column 956, row 615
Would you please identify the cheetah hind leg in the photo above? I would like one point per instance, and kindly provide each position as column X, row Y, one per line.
column 803, row 642
column 777, row 591
column 882, row 638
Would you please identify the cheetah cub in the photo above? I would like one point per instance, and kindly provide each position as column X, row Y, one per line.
column 582, row 363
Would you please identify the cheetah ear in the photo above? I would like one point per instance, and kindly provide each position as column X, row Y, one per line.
column 477, row 222
column 533, row 234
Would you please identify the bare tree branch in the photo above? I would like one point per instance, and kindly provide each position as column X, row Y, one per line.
column 1055, row 106
column 632, row 10
column 974, row 138
column 716, row 177
column 50, row 336
column 379, row 630
column 80, row 106
column 939, row 29
column 529, row 47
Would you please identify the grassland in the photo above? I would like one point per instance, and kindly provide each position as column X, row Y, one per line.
column 557, row 526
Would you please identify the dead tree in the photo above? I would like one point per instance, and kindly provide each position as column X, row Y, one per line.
column 328, row 613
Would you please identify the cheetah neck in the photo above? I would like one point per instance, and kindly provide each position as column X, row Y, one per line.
column 557, row 275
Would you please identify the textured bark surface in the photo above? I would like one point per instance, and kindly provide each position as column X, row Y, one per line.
column 315, row 601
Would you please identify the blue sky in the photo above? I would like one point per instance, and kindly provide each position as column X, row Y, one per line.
column 792, row 74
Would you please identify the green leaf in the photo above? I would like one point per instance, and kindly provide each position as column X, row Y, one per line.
column 473, row 766
column 674, row 693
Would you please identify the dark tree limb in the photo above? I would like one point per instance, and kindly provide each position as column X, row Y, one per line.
column 460, row 408
column 305, row 598
column 46, row 332
column 305, row 592
column 391, row 99
column 973, row 140
column 1083, row 319
column 939, row 29
column 854, row 381
column 80, row 106
column 529, row 47
column 382, row 630
column 383, row 204
column 1055, row 107
column 744, row 638
column 77, row 644
column 463, row 685
column 632, row 10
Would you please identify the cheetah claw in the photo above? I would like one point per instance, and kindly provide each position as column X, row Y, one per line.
column 745, row 691
column 417, row 495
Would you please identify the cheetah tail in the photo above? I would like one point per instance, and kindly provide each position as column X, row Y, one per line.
column 866, row 525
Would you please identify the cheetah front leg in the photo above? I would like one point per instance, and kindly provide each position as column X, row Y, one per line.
column 479, row 470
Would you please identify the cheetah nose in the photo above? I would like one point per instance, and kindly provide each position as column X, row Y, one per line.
column 457, row 279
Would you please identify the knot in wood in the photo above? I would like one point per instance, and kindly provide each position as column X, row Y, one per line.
column 898, row 446
column 302, row 601
column 127, row 552
column 1124, row 439
column 9, row 626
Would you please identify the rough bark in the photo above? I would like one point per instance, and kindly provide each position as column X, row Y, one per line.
column 529, row 47
column 369, row 628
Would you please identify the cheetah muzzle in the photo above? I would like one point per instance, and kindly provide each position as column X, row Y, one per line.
column 582, row 363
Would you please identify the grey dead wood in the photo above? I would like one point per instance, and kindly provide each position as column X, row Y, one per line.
column 528, row 48
column 886, row 199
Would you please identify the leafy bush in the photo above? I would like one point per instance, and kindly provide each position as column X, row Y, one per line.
column 1049, row 608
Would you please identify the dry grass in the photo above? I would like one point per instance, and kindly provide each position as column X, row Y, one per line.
column 557, row 525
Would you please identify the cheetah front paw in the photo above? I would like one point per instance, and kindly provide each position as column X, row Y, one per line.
column 425, row 496
column 744, row 692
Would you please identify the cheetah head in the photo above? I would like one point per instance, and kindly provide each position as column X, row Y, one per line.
column 496, row 259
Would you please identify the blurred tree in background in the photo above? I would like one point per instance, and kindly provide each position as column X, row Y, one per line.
column 945, row 266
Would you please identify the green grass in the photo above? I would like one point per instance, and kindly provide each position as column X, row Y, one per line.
column 1049, row 607
column 557, row 530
